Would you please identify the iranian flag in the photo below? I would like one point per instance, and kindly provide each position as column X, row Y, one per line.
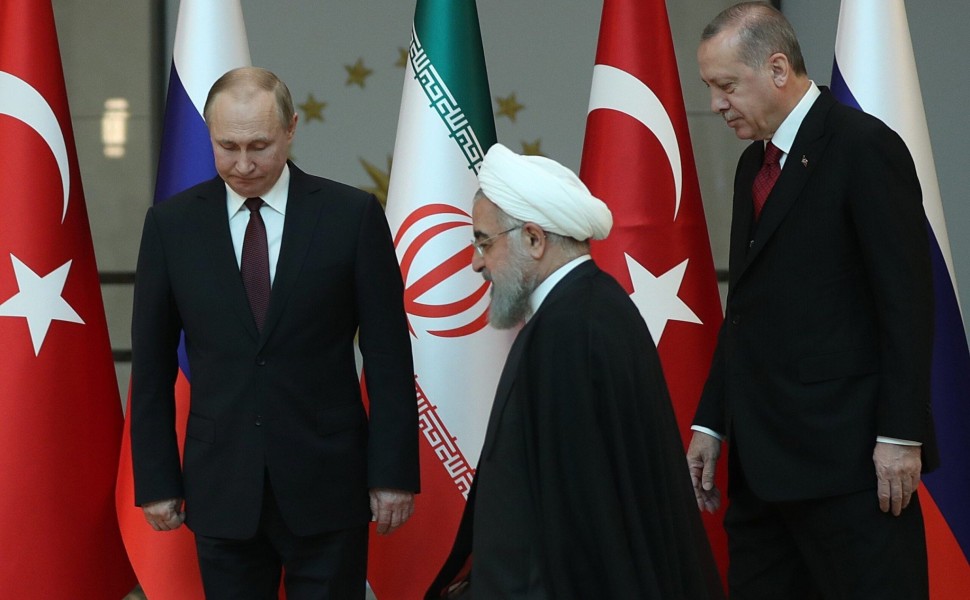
column 637, row 158
column 444, row 129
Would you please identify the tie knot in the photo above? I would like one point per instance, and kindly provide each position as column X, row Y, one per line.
column 772, row 154
column 253, row 204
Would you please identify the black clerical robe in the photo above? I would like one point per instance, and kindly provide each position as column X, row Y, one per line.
column 582, row 489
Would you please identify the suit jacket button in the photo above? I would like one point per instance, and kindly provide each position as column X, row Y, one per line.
column 260, row 361
column 259, row 420
column 736, row 319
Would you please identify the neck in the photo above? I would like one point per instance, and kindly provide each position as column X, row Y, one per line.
column 555, row 259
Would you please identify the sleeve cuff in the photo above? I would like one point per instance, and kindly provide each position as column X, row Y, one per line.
column 709, row 432
column 897, row 441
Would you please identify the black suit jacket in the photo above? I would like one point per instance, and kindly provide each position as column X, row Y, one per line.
column 827, row 336
column 286, row 401
column 581, row 490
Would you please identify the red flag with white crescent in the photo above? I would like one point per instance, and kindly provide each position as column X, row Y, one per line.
column 637, row 158
column 60, row 429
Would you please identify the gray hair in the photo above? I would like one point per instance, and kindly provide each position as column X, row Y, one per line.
column 762, row 31
column 241, row 78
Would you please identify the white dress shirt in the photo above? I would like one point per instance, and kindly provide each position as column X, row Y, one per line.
column 273, row 212
column 542, row 290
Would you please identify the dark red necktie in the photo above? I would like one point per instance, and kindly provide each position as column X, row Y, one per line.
column 255, row 263
column 766, row 177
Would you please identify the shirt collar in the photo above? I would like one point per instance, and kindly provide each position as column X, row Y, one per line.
column 539, row 294
column 784, row 137
column 275, row 198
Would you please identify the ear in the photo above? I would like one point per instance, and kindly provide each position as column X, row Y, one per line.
column 535, row 240
column 780, row 69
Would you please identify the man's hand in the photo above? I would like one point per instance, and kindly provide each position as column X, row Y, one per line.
column 390, row 508
column 702, row 455
column 897, row 474
column 164, row 515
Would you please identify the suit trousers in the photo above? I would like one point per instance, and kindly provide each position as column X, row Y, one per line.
column 836, row 548
column 330, row 566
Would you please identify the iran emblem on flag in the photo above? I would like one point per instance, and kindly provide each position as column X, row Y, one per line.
column 444, row 129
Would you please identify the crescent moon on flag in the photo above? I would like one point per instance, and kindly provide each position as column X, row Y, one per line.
column 617, row 90
column 21, row 101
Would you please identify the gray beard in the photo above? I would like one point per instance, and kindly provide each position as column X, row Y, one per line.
column 511, row 290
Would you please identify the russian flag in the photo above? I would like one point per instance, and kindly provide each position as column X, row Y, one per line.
column 875, row 70
column 210, row 39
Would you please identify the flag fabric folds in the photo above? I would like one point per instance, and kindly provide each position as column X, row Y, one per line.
column 637, row 157
column 875, row 71
column 210, row 39
column 61, row 425
column 444, row 129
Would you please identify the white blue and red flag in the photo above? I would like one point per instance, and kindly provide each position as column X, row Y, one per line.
column 210, row 39
column 875, row 71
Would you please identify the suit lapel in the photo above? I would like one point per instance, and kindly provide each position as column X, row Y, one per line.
column 799, row 166
column 299, row 226
column 743, row 209
column 224, row 278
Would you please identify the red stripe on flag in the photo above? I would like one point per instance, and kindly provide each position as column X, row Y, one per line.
column 949, row 570
column 164, row 561
column 410, row 558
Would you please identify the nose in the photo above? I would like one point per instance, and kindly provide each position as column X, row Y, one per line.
column 719, row 103
column 244, row 164
column 478, row 262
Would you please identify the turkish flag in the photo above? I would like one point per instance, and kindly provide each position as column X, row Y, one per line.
column 60, row 414
column 637, row 158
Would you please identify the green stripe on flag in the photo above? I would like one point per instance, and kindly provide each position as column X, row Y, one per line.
column 448, row 32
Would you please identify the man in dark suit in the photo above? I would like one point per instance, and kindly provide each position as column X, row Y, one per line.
column 580, row 491
column 820, row 380
column 270, row 273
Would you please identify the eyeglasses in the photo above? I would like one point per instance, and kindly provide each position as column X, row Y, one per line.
column 482, row 246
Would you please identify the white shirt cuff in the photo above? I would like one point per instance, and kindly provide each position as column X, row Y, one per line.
column 709, row 432
column 897, row 441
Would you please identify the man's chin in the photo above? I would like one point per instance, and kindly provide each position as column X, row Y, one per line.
column 501, row 324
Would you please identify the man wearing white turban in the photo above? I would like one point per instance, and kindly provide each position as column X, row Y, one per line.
column 580, row 490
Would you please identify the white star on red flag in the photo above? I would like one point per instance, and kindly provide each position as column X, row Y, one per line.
column 657, row 297
column 638, row 159
column 39, row 300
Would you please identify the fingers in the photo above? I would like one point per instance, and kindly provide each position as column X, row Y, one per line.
column 897, row 475
column 391, row 509
column 707, row 475
column 712, row 500
column 397, row 517
column 695, row 480
column 702, row 455
column 164, row 515
column 896, row 496
column 883, row 492
column 910, row 484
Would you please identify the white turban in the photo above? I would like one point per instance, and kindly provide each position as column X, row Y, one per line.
column 541, row 191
